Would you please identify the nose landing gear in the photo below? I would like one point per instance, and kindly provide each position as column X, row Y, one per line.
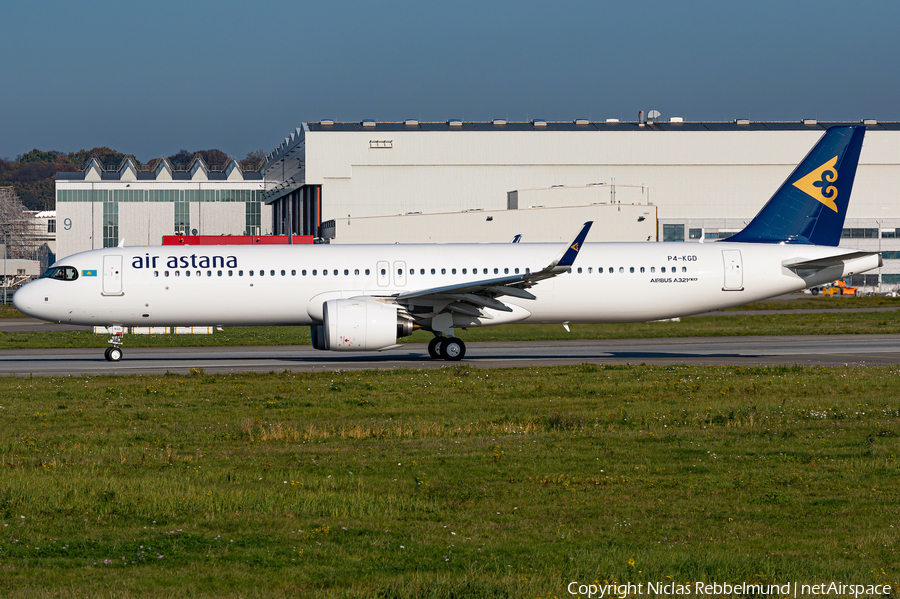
column 114, row 353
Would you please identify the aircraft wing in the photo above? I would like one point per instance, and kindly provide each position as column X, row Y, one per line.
column 470, row 297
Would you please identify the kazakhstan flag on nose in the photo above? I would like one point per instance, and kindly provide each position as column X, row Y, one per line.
column 88, row 273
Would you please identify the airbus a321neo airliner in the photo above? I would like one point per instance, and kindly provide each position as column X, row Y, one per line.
column 365, row 297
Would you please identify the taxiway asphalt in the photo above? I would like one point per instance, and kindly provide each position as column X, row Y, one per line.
column 807, row 350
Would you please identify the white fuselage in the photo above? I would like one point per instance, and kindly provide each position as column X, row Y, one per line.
column 287, row 285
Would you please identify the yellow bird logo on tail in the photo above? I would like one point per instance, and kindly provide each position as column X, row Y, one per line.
column 819, row 184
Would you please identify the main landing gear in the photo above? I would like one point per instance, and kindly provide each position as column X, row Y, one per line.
column 451, row 349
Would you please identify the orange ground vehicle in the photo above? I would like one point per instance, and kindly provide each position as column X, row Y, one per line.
column 840, row 288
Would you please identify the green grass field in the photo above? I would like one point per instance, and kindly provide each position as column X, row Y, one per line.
column 456, row 482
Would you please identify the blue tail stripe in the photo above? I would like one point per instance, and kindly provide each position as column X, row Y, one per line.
column 811, row 204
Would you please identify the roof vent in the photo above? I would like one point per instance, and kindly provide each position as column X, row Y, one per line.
column 676, row 119
column 741, row 121
column 499, row 122
column 870, row 122
column 809, row 122
column 582, row 122
column 539, row 123
column 411, row 123
column 326, row 122
column 612, row 120
column 368, row 123
column 455, row 123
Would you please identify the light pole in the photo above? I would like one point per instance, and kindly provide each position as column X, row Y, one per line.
column 5, row 244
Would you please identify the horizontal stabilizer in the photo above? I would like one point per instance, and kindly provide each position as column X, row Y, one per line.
column 821, row 263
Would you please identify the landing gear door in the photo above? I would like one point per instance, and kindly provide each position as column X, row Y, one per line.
column 383, row 274
column 734, row 276
column 400, row 273
column 112, row 275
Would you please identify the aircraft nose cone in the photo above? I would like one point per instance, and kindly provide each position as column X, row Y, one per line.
column 24, row 299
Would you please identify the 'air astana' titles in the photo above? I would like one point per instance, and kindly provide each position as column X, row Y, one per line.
column 192, row 261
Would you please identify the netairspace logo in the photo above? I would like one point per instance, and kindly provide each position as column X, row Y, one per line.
column 700, row 589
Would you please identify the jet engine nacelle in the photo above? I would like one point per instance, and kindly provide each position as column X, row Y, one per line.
column 359, row 324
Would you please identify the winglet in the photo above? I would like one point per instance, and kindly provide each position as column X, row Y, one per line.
column 568, row 257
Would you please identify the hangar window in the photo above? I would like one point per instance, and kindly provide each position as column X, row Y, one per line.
column 695, row 234
column 673, row 232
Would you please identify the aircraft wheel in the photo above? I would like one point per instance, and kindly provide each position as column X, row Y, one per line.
column 433, row 348
column 815, row 291
column 106, row 354
column 453, row 349
column 114, row 354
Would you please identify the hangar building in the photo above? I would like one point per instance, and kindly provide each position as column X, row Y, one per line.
column 450, row 181
column 100, row 206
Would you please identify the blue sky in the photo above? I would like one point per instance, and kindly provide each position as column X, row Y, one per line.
column 152, row 78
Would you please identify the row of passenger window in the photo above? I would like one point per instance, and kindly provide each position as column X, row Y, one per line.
column 335, row 272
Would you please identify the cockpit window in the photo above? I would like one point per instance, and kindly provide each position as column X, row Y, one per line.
column 61, row 273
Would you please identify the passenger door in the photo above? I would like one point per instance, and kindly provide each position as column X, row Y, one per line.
column 734, row 276
column 112, row 275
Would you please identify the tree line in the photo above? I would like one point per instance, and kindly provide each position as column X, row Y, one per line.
column 33, row 174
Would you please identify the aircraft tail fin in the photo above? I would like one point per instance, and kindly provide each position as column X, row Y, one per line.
column 811, row 204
